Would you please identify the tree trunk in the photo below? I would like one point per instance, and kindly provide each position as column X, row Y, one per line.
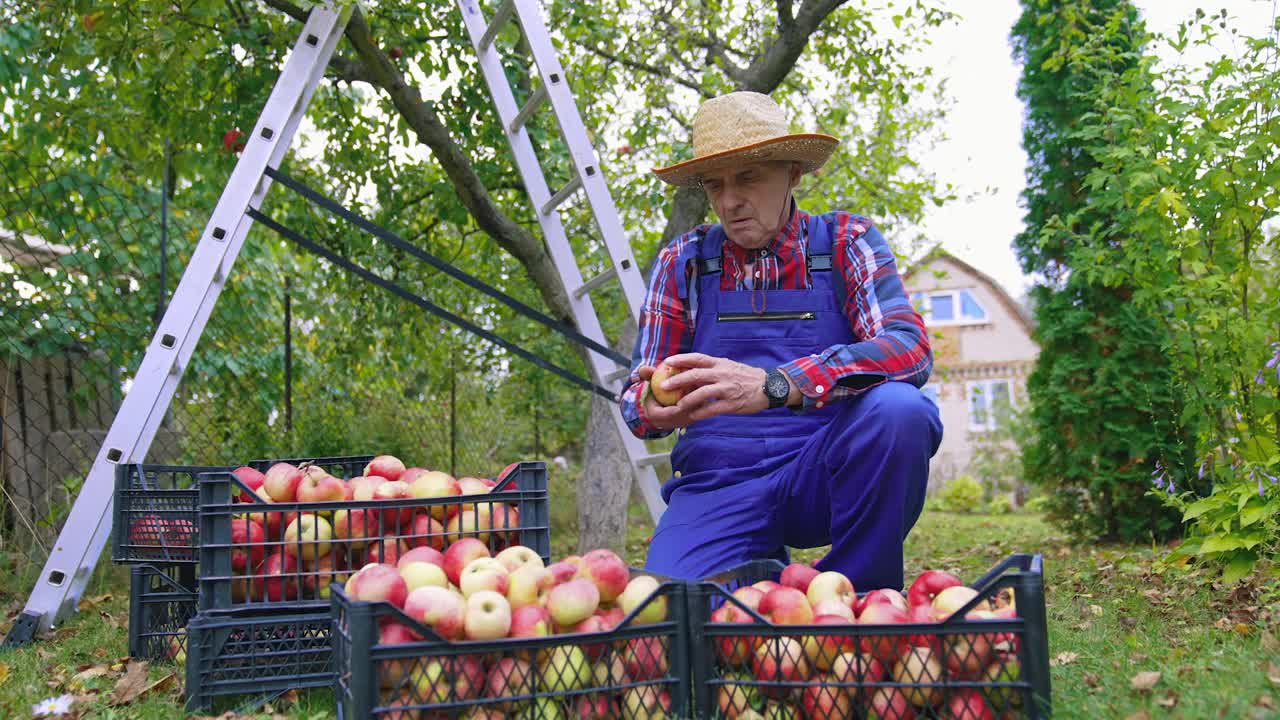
column 604, row 488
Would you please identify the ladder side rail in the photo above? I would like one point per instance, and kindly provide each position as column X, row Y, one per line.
column 87, row 529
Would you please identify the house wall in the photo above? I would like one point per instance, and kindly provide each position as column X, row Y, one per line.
column 1000, row 348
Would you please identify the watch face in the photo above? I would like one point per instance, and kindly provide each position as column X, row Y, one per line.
column 777, row 386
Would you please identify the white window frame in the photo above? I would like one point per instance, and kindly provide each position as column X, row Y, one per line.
column 988, row 398
column 937, row 393
column 956, row 319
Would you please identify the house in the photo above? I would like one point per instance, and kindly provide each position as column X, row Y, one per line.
column 983, row 354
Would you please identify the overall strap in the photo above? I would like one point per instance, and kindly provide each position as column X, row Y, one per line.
column 819, row 250
column 703, row 254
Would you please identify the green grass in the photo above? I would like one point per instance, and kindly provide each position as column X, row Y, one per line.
column 1112, row 613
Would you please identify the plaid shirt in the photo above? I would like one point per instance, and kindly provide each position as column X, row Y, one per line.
column 891, row 343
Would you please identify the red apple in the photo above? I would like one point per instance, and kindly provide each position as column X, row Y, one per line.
column 573, row 602
column 509, row 677
column 562, row 572
column 354, row 527
column 488, row 616
column 594, row 706
column 278, row 580
column 281, row 482
column 324, row 572
column 607, row 571
column 483, row 573
column 798, row 576
column 395, row 520
column 434, row 484
column 459, row 554
column 529, row 585
column 251, row 479
column 951, row 599
column 319, row 486
column 426, row 531
column 530, row 621
column 831, row 585
column 765, row 586
column 854, row 668
column 735, row 696
column 885, row 648
column 378, row 583
column 472, row 521
column 645, row 658
column 887, row 595
column 891, row 704
column 734, row 649
column 968, row 653
column 468, row 676
column 422, row 554
column 422, row 574
column 385, row 466
column 923, row 615
column 928, row 584
column 780, row 660
column 750, row 596
column 516, row 555
column 441, row 608
column 787, row 606
column 661, row 374
column 834, row 607
column 646, row 702
column 919, row 667
column 968, row 704
column 362, row 488
column 248, row 549
column 822, row 650
column 387, row 551
column 821, row 699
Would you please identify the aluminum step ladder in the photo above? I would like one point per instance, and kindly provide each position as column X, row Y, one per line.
column 553, row 91
column 70, row 565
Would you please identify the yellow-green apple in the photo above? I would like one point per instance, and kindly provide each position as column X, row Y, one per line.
column 474, row 521
column 319, row 486
column 562, row 572
column 507, row 678
column 177, row 650
column 610, row 671
column 518, row 555
column 967, row 654
column 1004, row 598
column 441, row 608
column 483, row 573
column 387, row 551
column 834, row 607
column 831, row 585
column 530, row 621
column 528, row 585
column 798, row 576
column 468, row 676
column 780, row 711
column 395, row 520
column 780, row 660
column 641, row 590
column 434, row 484
column 919, row 668
column 485, row 713
column 662, row 395
column 750, row 714
column 573, row 602
column 329, row 569
column 786, row 606
column 736, row 695
column 734, row 649
column 646, row 702
column 247, row 545
column 968, row 704
column 281, row 482
column 951, row 599
column 354, row 527
column 363, row 487
column 891, row 704
column 251, row 479
column 459, row 554
column 278, row 579
column 928, row 584
column 308, row 537
column 422, row 574
column 857, row 669
column 887, row 595
column 594, row 706
column 885, row 648
column 424, row 555
column 564, row 668
column 646, row 658
column 386, row 466
column 430, row 679
column 609, row 573
column 821, row 699
column 378, row 583
column 822, row 650
column 543, row 708
column 765, row 586
column 488, row 616
column 1001, row 673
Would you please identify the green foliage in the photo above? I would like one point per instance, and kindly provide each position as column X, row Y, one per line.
column 1188, row 165
column 963, row 494
column 1000, row 505
column 995, row 458
column 1039, row 504
column 1102, row 373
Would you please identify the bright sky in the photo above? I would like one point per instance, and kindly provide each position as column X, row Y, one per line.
column 984, row 144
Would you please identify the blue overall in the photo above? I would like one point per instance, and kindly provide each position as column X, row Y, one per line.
column 745, row 487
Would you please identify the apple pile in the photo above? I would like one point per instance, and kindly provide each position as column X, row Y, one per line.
column 836, row 676
column 467, row 594
column 280, row 555
column 158, row 537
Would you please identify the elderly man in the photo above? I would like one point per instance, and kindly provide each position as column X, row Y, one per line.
column 800, row 356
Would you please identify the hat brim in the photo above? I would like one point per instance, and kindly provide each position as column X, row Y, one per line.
column 811, row 150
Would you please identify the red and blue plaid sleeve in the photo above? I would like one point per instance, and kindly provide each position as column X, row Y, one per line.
column 665, row 330
column 891, row 342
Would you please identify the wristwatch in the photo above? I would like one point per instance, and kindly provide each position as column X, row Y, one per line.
column 777, row 388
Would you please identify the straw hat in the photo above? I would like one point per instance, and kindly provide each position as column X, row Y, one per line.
column 745, row 127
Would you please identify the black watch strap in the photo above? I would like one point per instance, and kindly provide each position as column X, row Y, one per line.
column 776, row 388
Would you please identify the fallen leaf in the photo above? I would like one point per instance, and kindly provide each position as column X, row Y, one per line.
column 1273, row 673
column 1064, row 658
column 1168, row 701
column 1092, row 679
column 1223, row 624
column 1140, row 715
column 91, row 671
column 4, row 673
column 1241, row 629
column 1144, row 680
column 129, row 687
column 1269, row 642
column 1266, row 701
column 1095, row 609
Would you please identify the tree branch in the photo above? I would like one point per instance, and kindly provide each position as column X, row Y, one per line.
column 785, row 14
column 771, row 67
column 645, row 67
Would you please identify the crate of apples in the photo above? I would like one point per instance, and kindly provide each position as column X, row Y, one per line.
column 506, row 635
column 796, row 642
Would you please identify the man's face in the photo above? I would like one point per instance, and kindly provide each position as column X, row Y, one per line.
column 752, row 200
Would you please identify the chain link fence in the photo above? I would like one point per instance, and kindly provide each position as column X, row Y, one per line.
column 298, row 358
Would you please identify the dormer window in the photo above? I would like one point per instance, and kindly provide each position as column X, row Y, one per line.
column 950, row 307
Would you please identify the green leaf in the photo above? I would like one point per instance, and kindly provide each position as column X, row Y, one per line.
column 1240, row 565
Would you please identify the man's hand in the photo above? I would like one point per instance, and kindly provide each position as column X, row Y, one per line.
column 717, row 386
column 661, row 416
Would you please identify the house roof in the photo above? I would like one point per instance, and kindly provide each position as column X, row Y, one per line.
column 1014, row 307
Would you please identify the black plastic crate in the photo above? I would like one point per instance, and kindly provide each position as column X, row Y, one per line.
column 162, row 599
column 633, row 670
column 516, row 509
column 155, row 507
column 957, row 668
column 246, row 654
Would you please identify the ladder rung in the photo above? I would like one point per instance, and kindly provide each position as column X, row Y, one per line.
column 564, row 193
column 500, row 18
column 594, row 283
column 531, row 107
column 655, row 459
column 616, row 375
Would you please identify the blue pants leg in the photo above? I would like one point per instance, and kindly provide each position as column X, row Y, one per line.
column 860, row 482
